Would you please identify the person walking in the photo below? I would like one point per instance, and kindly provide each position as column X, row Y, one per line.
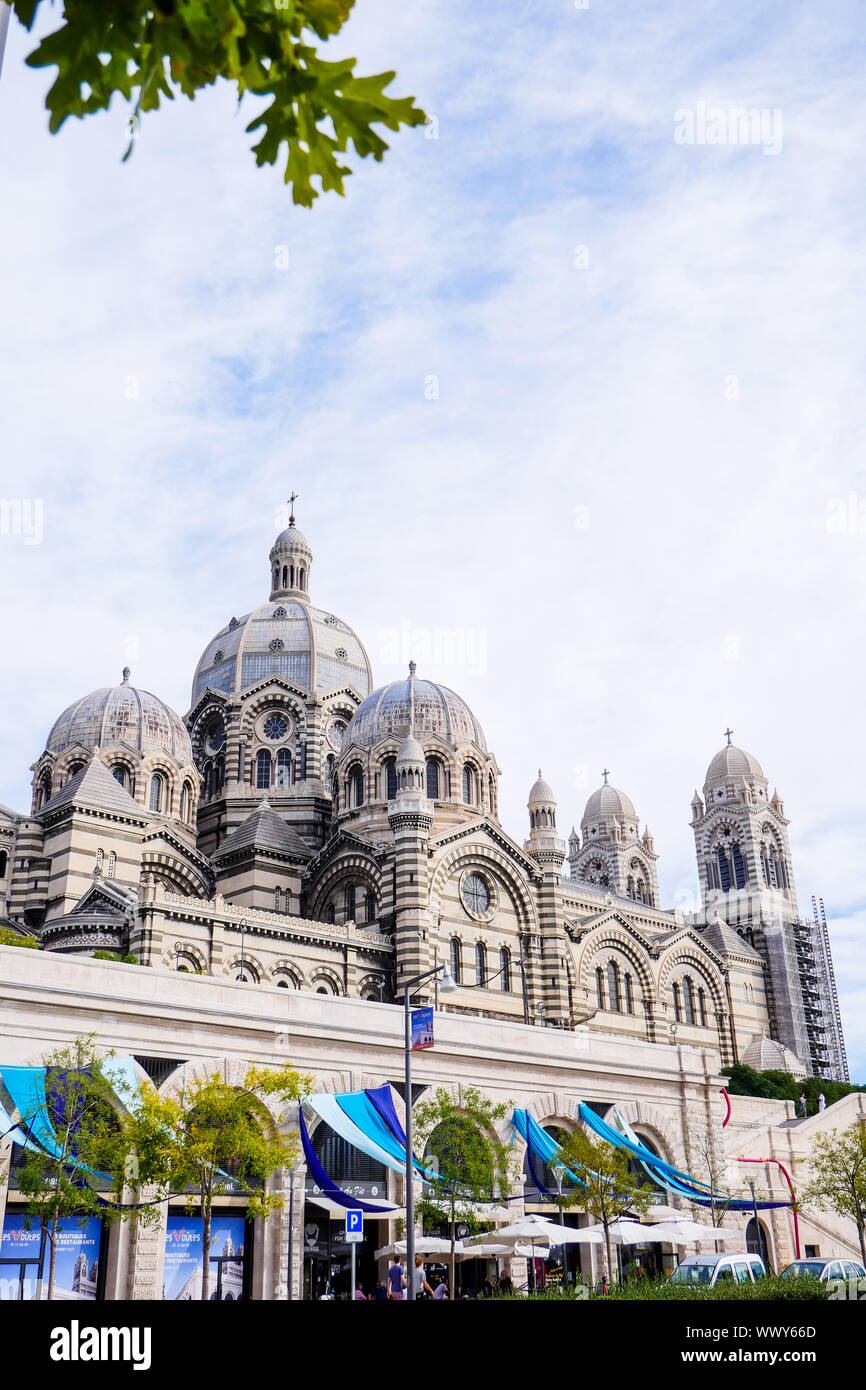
column 441, row 1291
column 396, row 1279
column 822, row 1102
column 803, row 1106
column 421, row 1285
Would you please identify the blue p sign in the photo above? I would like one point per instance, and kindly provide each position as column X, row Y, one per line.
column 354, row 1221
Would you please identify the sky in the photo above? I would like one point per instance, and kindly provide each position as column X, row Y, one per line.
column 568, row 386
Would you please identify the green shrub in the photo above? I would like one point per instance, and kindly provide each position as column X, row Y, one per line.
column 771, row 1290
column 8, row 937
column 116, row 956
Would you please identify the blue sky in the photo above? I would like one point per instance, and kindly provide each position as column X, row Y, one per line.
column 637, row 483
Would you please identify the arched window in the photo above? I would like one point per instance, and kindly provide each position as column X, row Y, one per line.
column 208, row 781
column 302, row 578
column 756, row 1240
column 156, row 792
column 100, row 859
column 112, row 863
column 678, row 1012
column 291, row 576
column 739, row 867
column 284, row 769
column 613, row 986
column 219, row 775
column 263, row 769
column 4, row 861
column 468, row 784
column 73, row 769
column 480, row 964
column 456, row 961
column 629, row 996
column 689, row 999
column 432, row 779
column 491, row 791
column 505, row 969
column 356, row 778
column 390, row 766
column 119, row 774
column 599, row 986
column 724, row 870
column 285, row 576
column 702, row 1008
column 332, row 914
column 350, row 902
column 370, row 907
column 330, row 764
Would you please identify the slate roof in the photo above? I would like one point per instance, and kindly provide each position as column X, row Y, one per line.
column 725, row 940
column 264, row 829
column 93, row 786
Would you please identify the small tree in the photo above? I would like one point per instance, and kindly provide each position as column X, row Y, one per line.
column 473, row 1165
column 612, row 1190
column 708, row 1163
column 209, row 1140
column 838, row 1176
column 10, row 937
column 81, row 1108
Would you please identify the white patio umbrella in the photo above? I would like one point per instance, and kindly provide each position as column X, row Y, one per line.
column 424, row 1245
column 537, row 1230
column 624, row 1232
column 685, row 1232
column 487, row 1252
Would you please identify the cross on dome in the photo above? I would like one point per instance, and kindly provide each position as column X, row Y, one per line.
column 729, row 734
column 605, row 772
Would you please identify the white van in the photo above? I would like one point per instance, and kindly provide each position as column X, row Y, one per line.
column 709, row 1270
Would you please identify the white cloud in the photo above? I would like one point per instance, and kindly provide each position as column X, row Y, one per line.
column 696, row 387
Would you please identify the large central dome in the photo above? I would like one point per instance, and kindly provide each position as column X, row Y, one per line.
column 285, row 637
column 437, row 710
column 304, row 645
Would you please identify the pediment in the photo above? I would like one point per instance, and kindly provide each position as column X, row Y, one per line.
column 490, row 830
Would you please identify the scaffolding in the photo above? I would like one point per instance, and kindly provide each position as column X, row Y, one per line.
column 837, row 1059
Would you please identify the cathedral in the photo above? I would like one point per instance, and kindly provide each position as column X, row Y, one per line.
column 300, row 829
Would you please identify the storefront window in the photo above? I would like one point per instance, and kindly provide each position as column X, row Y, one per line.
column 25, row 1257
column 229, row 1245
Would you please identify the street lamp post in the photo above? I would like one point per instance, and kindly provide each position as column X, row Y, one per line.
column 559, row 1170
column 243, row 931
column 447, row 986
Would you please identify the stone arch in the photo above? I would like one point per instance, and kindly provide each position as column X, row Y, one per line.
column 352, row 864
column 284, row 968
column 612, row 939
column 234, row 1074
column 271, row 697
column 188, row 952
column 252, row 966
column 684, row 957
column 179, row 876
column 373, row 987
column 658, row 1126
column 468, row 854
column 324, row 975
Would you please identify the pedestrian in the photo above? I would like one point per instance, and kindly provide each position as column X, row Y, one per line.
column 421, row 1285
column 803, row 1105
column 822, row 1102
column 441, row 1291
column 487, row 1290
column 359, row 1293
column 396, row 1279
column 505, row 1285
column 380, row 1293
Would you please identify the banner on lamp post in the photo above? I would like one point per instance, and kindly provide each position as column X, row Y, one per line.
column 422, row 1029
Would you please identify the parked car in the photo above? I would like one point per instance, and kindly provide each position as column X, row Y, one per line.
column 709, row 1270
column 824, row 1269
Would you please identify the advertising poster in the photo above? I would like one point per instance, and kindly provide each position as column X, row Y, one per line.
column 76, row 1269
column 183, row 1258
column 422, row 1029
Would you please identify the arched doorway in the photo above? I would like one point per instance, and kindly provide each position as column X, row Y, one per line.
column 756, row 1240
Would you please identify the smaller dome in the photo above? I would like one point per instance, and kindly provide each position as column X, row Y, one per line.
column 411, row 753
column 731, row 762
column 291, row 539
column 765, row 1054
column 541, row 793
column 609, row 801
column 121, row 714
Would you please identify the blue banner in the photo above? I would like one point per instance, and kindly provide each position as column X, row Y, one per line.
column 422, row 1029
column 182, row 1277
column 76, row 1268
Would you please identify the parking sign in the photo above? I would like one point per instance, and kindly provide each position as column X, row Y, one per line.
column 354, row 1226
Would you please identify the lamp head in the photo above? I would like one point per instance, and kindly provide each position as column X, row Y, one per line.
column 447, row 984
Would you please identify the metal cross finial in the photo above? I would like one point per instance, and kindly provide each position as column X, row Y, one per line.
column 293, row 498
column 605, row 772
column 729, row 735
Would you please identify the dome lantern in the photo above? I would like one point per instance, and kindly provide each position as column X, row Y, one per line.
column 291, row 559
